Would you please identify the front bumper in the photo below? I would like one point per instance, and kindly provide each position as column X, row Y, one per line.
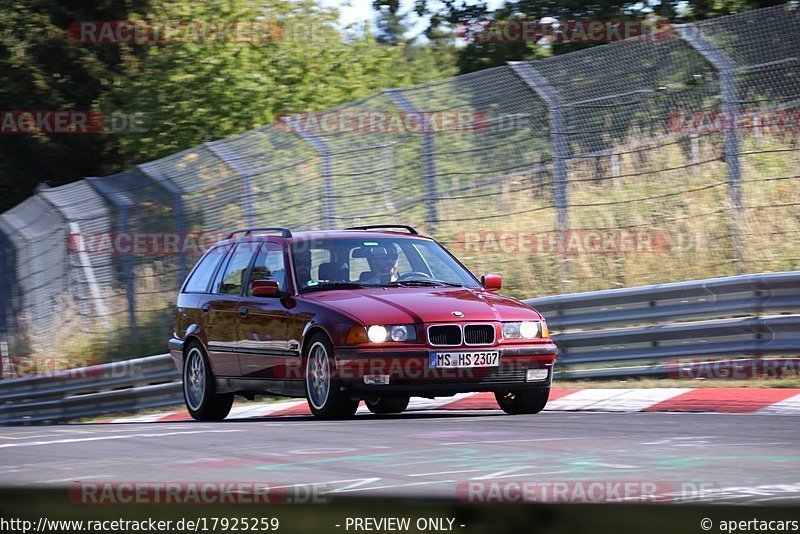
column 409, row 371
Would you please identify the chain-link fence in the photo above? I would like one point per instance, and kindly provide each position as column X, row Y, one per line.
column 656, row 159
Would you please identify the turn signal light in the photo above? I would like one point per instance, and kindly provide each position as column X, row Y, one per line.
column 356, row 335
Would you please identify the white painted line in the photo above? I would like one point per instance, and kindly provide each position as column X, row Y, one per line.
column 602, row 464
column 502, row 472
column 112, row 437
column 570, row 438
column 71, row 479
column 619, row 400
column 446, row 472
column 371, row 488
column 26, row 436
column 139, row 419
column 636, row 400
column 790, row 406
column 528, row 474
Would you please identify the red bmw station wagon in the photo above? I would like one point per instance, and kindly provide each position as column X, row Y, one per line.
column 377, row 313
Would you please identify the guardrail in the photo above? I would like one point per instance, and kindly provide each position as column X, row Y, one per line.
column 125, row 386
column 655, row 331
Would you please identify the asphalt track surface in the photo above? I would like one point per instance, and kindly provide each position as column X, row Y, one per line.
column 712, row 458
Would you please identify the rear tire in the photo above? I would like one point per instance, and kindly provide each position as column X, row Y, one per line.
column 522, row 402
column 387, row 405
column 323, row 390
column 199, row 387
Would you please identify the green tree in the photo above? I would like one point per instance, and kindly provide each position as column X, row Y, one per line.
column 480, row 54
column 41, row 69
column 188, row 91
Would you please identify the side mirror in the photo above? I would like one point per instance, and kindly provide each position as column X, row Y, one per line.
column 265, row 288
column 492, row 282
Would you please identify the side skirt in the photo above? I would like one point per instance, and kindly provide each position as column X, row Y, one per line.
column 283, row 388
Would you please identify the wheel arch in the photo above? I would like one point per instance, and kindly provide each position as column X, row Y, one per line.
column 310, row 331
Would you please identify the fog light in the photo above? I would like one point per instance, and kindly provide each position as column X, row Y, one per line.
column 376, row 380
column 536, row 374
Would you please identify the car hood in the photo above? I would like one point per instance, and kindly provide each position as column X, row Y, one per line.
column 398, row 305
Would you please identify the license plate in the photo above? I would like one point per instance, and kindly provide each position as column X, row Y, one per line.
column 444, row 360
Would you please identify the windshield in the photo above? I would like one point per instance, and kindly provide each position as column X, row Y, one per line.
column 336, row 263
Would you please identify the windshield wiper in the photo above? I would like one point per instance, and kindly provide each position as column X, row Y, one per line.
column 322, row 286
column 422, row 283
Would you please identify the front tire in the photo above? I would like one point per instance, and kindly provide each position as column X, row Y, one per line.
column 522, row 402
column 199, row 387
column 387, row 405
column 325, row 396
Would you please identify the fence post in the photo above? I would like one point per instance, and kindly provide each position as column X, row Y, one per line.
column 428, row 153
column 615, row 169
column 8, row 280
column 180, row 214
column 72, row 227
column 558, row 133
column 224, row 153
column 127, row 260
column 730, row 116
column 328, row 211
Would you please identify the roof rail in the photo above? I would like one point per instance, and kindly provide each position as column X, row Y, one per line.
column 411, row 229
column 285, row 232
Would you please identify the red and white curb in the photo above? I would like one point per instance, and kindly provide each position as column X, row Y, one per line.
column 722, row 400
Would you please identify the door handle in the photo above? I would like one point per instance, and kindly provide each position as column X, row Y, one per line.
column 243, row 310
column 205, row 307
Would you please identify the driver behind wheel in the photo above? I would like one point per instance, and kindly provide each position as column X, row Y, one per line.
column 302, row 266
column 383, row 265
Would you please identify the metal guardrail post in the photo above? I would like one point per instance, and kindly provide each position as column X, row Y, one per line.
column 228, row 157
column 730, row 113
column 428, row 153
column 558, row 133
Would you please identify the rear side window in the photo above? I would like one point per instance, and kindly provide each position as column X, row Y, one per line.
column 236, row 270
column 269, row 265
column 201, row 276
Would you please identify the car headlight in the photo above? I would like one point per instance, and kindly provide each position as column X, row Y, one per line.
column 398, row 332
column 529, row 329
column 521, row 330
column 377, row 333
